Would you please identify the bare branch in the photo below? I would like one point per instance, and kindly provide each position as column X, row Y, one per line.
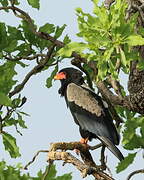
column 35, row 70
column 33, row 159
column 25, row 57
column 134, row 173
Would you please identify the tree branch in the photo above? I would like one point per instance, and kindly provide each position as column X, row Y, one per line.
column 25, row 57
column 86, row 167
column 33, row 159
column 35, row 70
column 116, row 100
column 134, row 173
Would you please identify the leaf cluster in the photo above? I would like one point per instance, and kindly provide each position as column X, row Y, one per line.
column 14, row 173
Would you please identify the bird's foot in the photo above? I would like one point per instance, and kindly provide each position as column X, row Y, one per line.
column 84, row 141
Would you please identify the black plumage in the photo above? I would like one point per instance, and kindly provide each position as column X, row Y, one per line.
column 88, row 110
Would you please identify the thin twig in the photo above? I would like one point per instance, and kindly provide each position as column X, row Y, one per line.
column 25, row 57
column 46, row 172
column 35, row 70
column 134, row 173
column 33, row 159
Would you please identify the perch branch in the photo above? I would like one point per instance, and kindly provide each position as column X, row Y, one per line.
column 86, row 167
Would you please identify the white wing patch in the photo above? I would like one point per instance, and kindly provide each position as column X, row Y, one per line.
column 83, row 98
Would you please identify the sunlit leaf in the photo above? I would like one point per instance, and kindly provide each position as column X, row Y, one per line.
column 68, row 49
column 135, row 40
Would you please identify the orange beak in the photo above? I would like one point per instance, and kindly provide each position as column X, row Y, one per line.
column 60, row 76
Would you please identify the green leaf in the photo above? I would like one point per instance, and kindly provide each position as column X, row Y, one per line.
column 103, row 68
column 12, row 46
column 65, row 177
column 59, row 31
column 49, row 80
column 21, row 122
column 135, row 40
column 52, row 173
column 34, row 3
column 4, row 2
column 126, row 162
column 7, row 72
column 74, row 46
column 123, row 58
column 14, row 33
column 135, row 142
column 3, row 37
column 48, row 28
column 66, row 39
column 141, row 64
column 10, row 122
column 10, row 145
column 5, row 100
column 29, row 35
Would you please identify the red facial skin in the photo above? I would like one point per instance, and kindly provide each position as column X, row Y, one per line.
column 60, row 76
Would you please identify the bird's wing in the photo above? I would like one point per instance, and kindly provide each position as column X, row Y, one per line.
column 90, row 112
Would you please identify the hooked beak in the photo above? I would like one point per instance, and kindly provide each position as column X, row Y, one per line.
column 60, row 76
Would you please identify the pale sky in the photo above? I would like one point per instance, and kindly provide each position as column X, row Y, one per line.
column 50, row 120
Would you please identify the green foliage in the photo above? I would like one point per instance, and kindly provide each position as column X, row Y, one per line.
column 48, row 28
column 132, row 136
column 10, row 145
column 107, row 38
column 106, row 30
column 7, row 72
column 4, row 2
column 5, row 100
column 34, row 3
column 50, row 79
column 52, row 174
column 126, row 162
column 59, row 31
column 14, row 173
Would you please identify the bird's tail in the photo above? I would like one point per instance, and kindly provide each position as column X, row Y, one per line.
column 112, row 147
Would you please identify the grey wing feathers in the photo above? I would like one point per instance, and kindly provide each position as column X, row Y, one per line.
column 82, row 98
column 111, row 147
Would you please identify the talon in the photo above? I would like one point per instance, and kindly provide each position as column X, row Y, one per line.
column 84, row 141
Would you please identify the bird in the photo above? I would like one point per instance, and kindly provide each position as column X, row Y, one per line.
column 88, row 109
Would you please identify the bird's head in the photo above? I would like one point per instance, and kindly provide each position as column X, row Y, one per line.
column 68, row 75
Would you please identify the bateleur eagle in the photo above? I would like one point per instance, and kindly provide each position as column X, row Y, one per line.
column 88, row 110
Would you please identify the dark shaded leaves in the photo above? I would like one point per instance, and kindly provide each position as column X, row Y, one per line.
column 48, row 28
column 7, row 72
column 49, row 80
